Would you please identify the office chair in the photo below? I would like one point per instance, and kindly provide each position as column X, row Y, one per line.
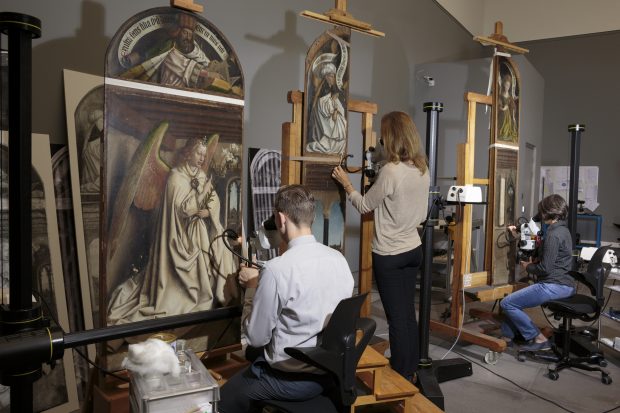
column 337, row 353
column 579, row 306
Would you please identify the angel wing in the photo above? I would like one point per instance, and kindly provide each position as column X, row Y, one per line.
column 143, row 183
column 211, row 147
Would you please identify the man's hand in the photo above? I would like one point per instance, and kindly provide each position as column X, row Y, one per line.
column 248, row 277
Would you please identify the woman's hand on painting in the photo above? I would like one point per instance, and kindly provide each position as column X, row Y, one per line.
column 248, row 277
column 203, row 213
column 340, row 175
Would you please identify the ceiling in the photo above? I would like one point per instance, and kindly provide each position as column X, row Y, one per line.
column 526, row 20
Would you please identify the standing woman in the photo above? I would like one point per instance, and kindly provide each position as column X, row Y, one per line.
column 399, row 199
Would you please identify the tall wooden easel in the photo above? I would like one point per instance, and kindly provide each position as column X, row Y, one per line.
column 292, row 160
column 465, row 284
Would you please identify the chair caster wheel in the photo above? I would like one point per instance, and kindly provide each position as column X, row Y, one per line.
column 521, row 357
column 553, row 375
column 606, row 379
column 491, row 357
column 602, row 363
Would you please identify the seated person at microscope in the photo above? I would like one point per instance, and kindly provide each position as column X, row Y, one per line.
column 549, row 271
column 295, row 294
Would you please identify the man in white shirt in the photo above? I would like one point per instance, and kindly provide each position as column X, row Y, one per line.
column 295, row 294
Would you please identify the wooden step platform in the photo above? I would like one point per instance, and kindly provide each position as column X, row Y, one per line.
column 485, row 293
column 379, row 384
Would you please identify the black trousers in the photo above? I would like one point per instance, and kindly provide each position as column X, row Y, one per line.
column 396, row 277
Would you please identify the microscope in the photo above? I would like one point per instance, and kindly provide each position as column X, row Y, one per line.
column 529, row 239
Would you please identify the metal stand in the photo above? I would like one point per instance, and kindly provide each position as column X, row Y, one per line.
column 431, row 373
column 21, row 314
column 575, row 138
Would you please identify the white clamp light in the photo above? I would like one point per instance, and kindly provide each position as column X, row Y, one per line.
column 610, row 257
column 466, row 194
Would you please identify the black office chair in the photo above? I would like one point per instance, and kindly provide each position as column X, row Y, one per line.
column 337, row 353
column 582, row 307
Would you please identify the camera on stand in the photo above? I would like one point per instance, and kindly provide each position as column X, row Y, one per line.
column 375, row 159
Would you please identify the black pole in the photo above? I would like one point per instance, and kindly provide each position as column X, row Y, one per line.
column 575, row 139
column 432, row 110
column 431, row 373
column 21, row 313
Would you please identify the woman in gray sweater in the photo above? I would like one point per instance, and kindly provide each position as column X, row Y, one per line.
column 399, row 199
column 550, row 271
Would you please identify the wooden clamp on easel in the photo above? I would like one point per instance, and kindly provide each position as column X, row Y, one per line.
column 339, row 15
column 292, row 143
column 479, row 285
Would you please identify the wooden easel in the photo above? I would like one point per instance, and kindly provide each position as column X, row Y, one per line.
column 187, row 5
column 475, row 286
column 462, row 278
column 292, row 143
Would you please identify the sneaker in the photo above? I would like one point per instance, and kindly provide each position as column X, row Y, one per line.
column 534, row 346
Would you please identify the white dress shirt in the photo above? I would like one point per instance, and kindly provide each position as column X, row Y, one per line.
column 297, row 293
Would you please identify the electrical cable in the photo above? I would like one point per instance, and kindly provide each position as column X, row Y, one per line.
column 519, row 386
column 215, row 343
column 460, row 327
column 89, row 361
column 229, row 233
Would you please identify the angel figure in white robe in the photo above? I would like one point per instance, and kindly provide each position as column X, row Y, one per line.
column 189, row 268
column 328, row 118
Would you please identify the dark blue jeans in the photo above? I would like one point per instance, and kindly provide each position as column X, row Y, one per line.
column 517, row 321
column 260, row 382
column 396, row 277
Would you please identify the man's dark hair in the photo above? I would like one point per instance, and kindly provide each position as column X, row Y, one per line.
column 553, row 207
column 297, row 203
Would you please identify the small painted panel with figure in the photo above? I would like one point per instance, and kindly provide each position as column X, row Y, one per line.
column 327, row 94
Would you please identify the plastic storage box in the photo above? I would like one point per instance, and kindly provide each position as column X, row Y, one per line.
column 194, row 391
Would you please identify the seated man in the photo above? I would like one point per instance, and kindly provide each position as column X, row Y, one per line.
column 550, row 271
column 295, row 295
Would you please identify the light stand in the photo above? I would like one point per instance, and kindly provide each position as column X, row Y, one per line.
column 21, row 314
column 431, row 373
column 573, row 194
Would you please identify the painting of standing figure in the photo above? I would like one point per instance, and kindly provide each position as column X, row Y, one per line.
column 325, row 130
column 327, row 93
column 188, row 267
column 508, row 102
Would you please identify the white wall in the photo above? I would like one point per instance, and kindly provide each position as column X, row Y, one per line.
column 534, row 19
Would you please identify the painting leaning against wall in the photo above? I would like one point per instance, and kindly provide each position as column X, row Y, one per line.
column 171, row 180
column 56, row 391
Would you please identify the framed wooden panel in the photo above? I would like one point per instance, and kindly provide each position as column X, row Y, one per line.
column 325, row 130
column 503, row 174
column 56, row 391
column 171, row 174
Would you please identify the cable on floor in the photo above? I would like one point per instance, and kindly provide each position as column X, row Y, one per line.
column 523, row 388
